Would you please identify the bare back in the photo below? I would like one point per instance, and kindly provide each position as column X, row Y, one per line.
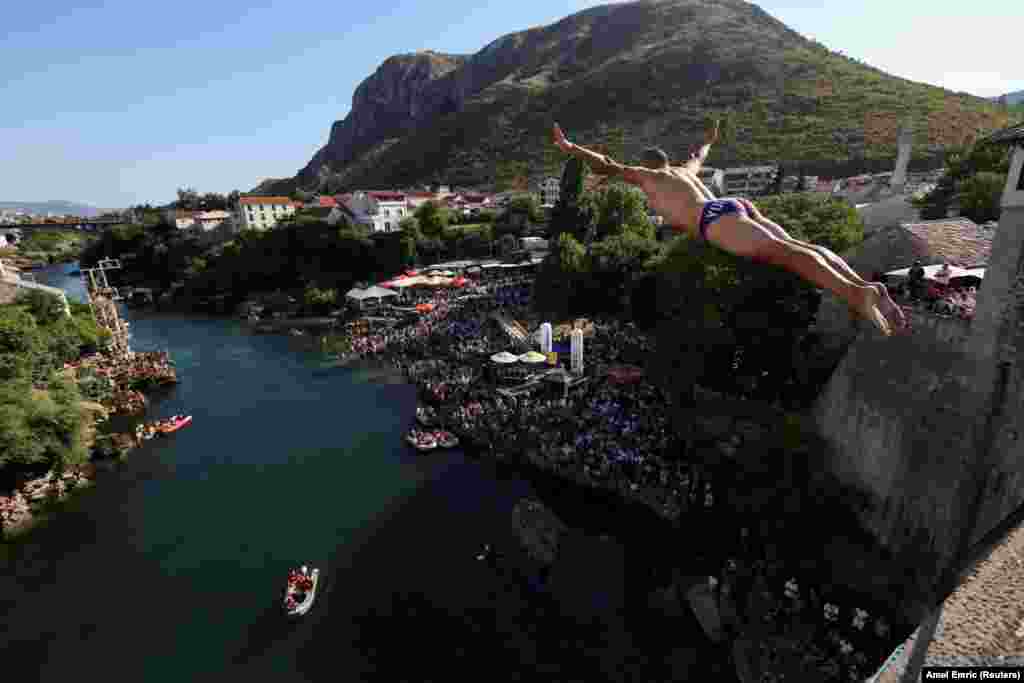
column 672, row 195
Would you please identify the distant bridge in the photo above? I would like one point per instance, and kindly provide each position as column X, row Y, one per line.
column 82, row 224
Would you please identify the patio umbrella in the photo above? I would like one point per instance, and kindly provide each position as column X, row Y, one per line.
column 533, row 357
column 504, row 357
column 412, row 273
column 931, row 271
column 459, row 282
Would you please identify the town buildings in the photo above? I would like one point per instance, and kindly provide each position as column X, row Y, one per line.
column 379, row 211
column 747, row 181
column 261, row 213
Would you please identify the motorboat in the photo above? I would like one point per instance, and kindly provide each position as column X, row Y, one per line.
column 421, row 441
column 300, row 591
column 446, row 439
column 173, row 424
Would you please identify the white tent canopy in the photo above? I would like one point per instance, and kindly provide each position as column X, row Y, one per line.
column 374, row 292
column 931, row 271
column 504, row 357
column 532, row 357
column 379, row 292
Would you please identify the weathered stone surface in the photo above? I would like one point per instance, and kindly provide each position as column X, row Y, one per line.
column 702, row 602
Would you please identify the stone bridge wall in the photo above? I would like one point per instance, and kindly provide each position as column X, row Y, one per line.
column 929, row 424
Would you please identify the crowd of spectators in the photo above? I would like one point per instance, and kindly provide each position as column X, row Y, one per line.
column 607, row 434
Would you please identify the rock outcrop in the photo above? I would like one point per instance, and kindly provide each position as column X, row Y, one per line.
column 642, row 73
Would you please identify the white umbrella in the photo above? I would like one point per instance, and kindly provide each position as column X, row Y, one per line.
column 931, row 271
column 378, row 292
column 504, row 357
column 533, row 357
column 356, row 293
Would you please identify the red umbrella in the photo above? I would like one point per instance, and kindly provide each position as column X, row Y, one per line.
column 412, row 273
column 459, row 281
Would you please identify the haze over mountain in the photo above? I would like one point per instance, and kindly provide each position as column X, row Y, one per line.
column 1012, row 98
column 56, row 206
column 629, row 74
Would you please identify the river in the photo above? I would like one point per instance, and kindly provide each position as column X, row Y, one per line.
column 170, row 568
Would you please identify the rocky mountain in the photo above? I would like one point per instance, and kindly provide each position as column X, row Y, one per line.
column 55, row 206
column 629, row 75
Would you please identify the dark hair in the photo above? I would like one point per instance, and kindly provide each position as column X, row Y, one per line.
column 655, row 157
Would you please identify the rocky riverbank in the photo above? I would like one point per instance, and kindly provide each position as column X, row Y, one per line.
column 112, row 381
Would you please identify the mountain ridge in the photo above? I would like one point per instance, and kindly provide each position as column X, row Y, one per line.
column 57, row 206
column 645, row 72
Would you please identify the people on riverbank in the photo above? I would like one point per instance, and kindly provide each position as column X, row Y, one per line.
column 608, row 434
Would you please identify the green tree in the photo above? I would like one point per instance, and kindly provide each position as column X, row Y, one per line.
column 621, row 208
column 320, row 300
column 961, row 164
column 574, row 211
column 46, row 308
column 832, row 223
column 980, row 196
column 507, row 174
column 432, row 218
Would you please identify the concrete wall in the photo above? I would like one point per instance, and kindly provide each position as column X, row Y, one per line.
column 907, row 418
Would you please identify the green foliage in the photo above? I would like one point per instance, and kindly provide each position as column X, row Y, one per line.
column 432, row 218
column 55, row 242
column 320, row 300
column 36, row 338
column 525, row 204
column 832, row 223
column 574, row 212
column 58, row 424
column 569, row 254
column 980, row 196
column 46, row 308
column 976, row 197
column 627, row 251
column 621, row 208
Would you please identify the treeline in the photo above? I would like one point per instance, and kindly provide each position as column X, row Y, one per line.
column 304, row 252
column 40, row 415
column 973, row 183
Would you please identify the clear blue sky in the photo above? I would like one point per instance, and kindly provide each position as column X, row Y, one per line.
column 116, row 102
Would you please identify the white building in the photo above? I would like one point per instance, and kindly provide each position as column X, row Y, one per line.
column 208, row 220
column 550, row 190
column 379, row 211
column 180, row 218
column 533, row 244
column 261, row 213
column 747, row 181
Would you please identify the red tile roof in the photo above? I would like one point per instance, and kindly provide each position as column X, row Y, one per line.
column 245, row 201
column 420, row 195
column 958, row 241
column 475, row 198
column 328, row 201
column 386, row 196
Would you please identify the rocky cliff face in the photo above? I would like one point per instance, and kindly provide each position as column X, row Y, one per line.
column 653, row 69
column 389, row 104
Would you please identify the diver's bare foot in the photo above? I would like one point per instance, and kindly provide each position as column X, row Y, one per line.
column 868, row 304
column 890, row 309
